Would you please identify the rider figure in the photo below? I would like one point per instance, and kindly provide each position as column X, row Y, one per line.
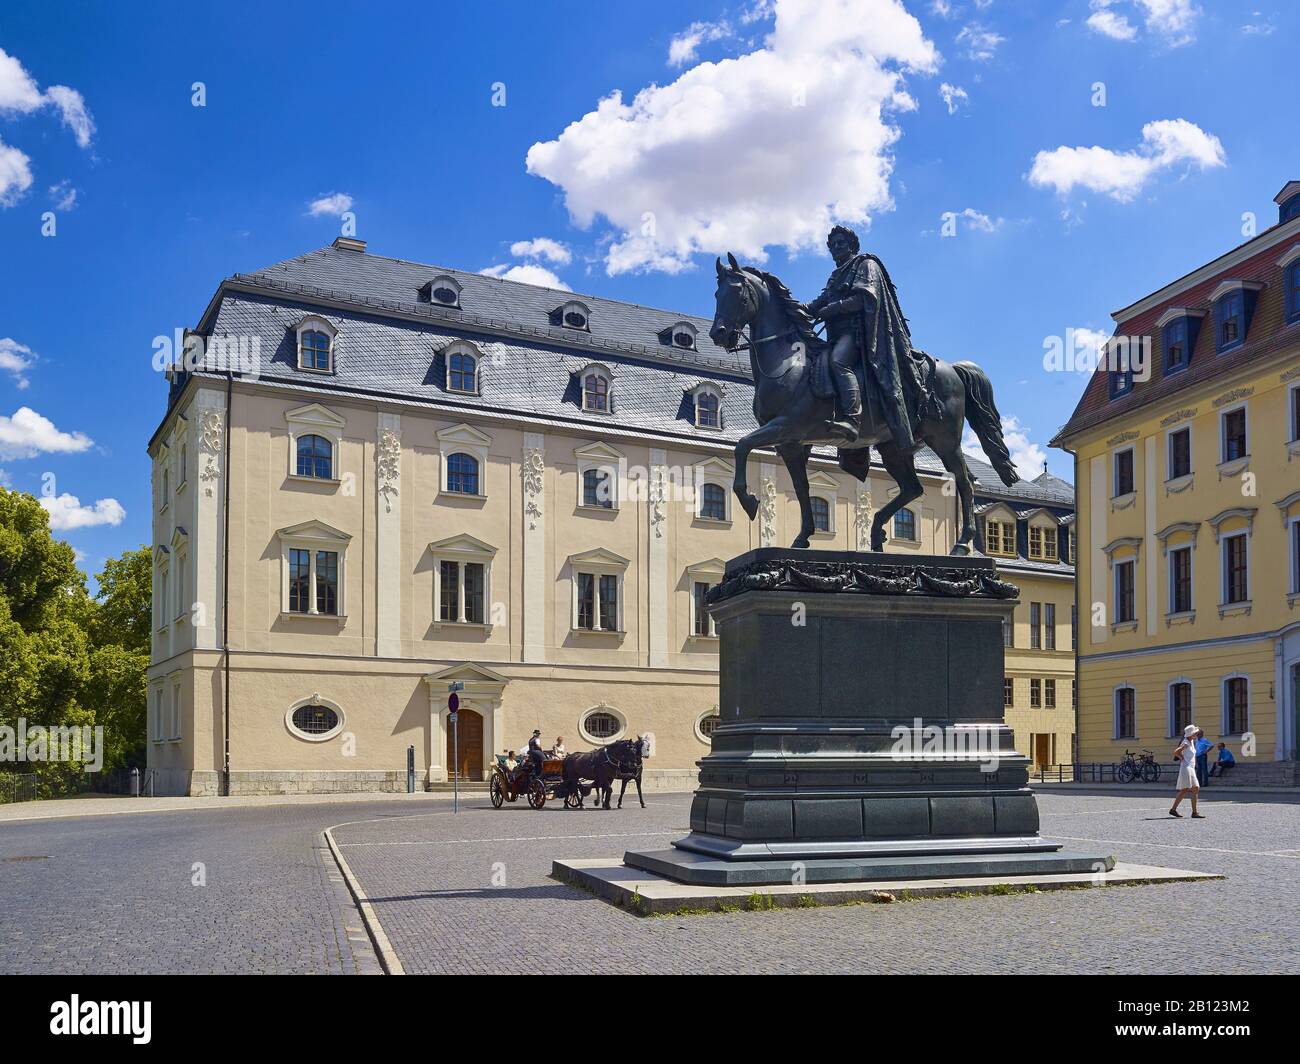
column 864, row 323
column 535, row 755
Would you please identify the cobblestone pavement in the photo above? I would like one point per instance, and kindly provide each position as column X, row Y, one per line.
column 471, row 892
column 117, row 894
column 431, row 879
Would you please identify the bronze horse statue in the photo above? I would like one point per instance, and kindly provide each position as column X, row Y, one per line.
column 794, row 415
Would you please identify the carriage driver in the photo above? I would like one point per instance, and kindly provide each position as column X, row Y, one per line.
column 535, row 755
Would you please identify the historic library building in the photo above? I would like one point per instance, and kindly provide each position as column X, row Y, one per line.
column 376, row 477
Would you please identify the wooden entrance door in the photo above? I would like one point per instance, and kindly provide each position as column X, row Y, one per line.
column 1042, row 751
column 469, row 764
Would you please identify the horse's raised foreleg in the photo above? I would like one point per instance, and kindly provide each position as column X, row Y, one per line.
column 795, row 457
column 764, row 436
column 902, row 468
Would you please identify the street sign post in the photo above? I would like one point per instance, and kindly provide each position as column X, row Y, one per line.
column 453, row 704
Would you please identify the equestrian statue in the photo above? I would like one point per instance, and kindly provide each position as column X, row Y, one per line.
column 862, row 386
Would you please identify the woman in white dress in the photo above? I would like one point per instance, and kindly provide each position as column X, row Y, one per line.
column 1188, row 784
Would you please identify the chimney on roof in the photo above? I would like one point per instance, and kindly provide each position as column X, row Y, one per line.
column 349, row 243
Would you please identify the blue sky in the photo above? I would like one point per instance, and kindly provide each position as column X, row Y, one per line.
column 742, row 126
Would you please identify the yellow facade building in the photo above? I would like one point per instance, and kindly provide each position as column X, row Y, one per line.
column 1187, row 452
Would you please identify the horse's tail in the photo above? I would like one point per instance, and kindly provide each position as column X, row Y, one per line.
column 982, row 413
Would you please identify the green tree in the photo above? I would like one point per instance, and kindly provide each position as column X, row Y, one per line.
column 119, row 630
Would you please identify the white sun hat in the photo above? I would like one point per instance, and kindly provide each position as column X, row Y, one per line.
column 1189, row 731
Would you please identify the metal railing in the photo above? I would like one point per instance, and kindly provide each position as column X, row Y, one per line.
column 38, row 786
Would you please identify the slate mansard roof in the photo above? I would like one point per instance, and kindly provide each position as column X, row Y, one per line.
column 391, row 339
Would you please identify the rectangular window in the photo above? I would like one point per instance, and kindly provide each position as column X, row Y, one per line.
column 1008, row 692
column 475, row 586
column 1124, row 483
column 1236, row 706
column 448, row 592
column 327, row 582
column 703, row 622
column 1049, row 544
column 1074, row 694
column 1125, row 606
column 1074, row 627
column 1049, row 626
column 1035, row 693
column 1230, row 332
column 176, row 712
column 1049, row 694
column 1125, row 713
column 1035, row 542
column 1234, row 435
column 1295, row 413
column 586, row 601
column 1180, row 580
column 299, row 580
column 1295, row 557
column 1236, row 584
column 1035, row 626
column 1180, row 708
column 609, row 603
column 1180, row 453
column 1073, row 542
column 1175, row 340
column 1008, row 632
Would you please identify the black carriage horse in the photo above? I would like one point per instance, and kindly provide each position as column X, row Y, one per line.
column 605, row 764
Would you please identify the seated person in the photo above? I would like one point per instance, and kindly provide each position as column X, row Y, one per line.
column 1225, row 762
column 557, row 751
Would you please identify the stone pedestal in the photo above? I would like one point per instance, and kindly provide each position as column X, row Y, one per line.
column 862, row 732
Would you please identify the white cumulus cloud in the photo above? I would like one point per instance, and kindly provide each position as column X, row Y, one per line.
column 528, row 273
column 16, row 359
column 981, row 43
column 1122, row 175
column 15, row 174
column 1026, row 455
column 1109, row 24
column 19, row 94
column 768, row 148
column 27, row 434
column 335, row 204
column 542, row 247
column 1172, row 22
column 683, row 47
column 67, row 512
column 953, row 96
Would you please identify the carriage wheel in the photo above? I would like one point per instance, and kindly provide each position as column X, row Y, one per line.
column 537, row 794
column 496, row 792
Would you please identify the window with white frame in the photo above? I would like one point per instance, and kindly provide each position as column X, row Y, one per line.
column 1000, row 533
column 700, row 579
column 707, row 402
column 597, row 389
column 444, row 291
column 463, row 466
column 573, row 315
column 174, row 721
column 1180, row 579
column 823, row 495
column 1125, row 712
column 597, row 578
column 713, row 479
column 821, row 513
column 462, row 360
column 316, row 338
column 462, row 590
column 1233, row 444
column 1236, row 568
column 161, row 602
column 905, row 525
column 1179, row 456
column 602, row 470
column 1124, row 482
column 1125, row 591
column 1294, row 540
column 1180, row 706
column 313, row 557
column 315, row 434
column 157, row 706
column 314, row 719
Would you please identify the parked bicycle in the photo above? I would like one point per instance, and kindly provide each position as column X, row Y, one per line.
column 1135, row 766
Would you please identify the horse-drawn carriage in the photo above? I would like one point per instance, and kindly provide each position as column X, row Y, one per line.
column 508, row 785
column 572, row 778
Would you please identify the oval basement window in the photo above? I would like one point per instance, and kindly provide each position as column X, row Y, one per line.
column 601, row 725
column 706, row 726
column 314, row 721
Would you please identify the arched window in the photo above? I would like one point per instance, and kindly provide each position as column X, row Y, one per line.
column 462, row 474
column 713, row 502
column 1236, row 705
column 314, row 351
column 905, row 525
column 821, row 512
column 462, row 373
column 315, row 457
column 598, row 488
column 708, row 410
column 595, row 392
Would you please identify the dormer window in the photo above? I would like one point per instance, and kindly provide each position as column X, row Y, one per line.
column 1288, row 202
column 462, row 368
column 1178, row 328
column 1234, row 302
column 572, row 315
column 316, row 345
column 707, row 401
column 682, row 335
column 444, row 291
column 596, row 390
column 1290, row 263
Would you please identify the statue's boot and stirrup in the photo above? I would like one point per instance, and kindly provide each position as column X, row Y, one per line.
column 848, row 401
